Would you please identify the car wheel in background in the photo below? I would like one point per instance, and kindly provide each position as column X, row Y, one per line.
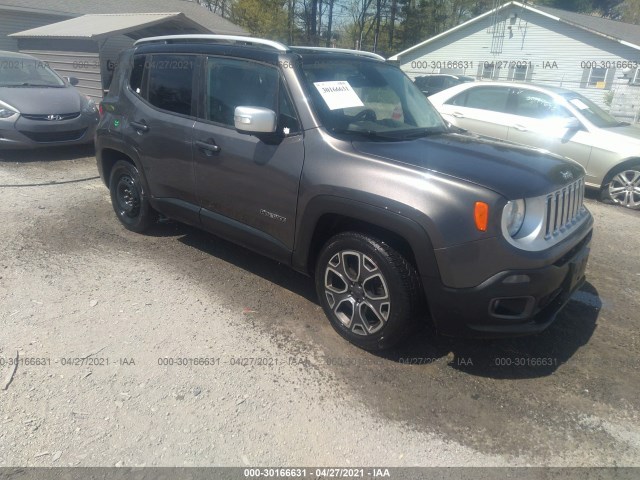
column 624, row 188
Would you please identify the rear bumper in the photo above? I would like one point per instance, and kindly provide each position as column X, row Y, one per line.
column 512, row 302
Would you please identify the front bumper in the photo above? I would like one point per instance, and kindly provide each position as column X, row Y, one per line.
column 512, row 302
column 26, row 133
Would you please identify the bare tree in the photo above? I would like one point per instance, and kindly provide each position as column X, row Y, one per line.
column 330, row 23
column 221, row 7
column 360, row 14
column 313, row 24
column 392, row 22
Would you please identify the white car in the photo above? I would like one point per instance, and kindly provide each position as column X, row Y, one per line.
column 557, row 120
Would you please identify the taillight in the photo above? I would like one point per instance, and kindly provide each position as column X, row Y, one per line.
column 101, row 109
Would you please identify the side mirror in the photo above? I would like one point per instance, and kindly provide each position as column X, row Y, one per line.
column 453, row 128
column 72, row 80
column 255, row 120
column 572, row 124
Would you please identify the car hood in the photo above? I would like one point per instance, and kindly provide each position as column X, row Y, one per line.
column 506, row 168
column 625, row 133
column 42, row 100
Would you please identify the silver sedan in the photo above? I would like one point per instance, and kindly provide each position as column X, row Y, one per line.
column 554, row 119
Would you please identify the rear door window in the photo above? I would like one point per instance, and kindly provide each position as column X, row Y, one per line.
column 170, row 84
column 484, row 98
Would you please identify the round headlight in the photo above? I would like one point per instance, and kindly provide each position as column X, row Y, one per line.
column 90, row 105
column 513, row 216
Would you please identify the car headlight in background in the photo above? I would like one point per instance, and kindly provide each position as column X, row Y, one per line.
column 7, row 110
column 513, row 216
column 90, row 105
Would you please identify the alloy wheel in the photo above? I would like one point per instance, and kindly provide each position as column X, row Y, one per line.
column 624, row 189
column 357, row 292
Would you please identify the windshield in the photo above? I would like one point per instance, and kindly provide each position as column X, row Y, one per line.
column 591, row 111
column 27, row 72
column 360, row 97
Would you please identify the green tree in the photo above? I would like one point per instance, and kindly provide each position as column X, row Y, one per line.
column 263, row 18
column 604, row 8
column 629, row 11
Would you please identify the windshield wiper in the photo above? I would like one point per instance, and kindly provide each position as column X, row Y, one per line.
column 367, row 133
column 28, row 84
column 422, row 132
column 617, row 124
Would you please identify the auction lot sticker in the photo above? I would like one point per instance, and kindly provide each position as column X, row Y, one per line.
column 338, row 94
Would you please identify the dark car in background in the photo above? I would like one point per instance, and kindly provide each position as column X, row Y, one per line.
column 38, row 108
column 430, row 84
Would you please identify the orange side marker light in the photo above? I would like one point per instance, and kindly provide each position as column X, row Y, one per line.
column 481, row 215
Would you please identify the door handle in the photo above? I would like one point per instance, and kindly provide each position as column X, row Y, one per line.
column 140, row 126
column 457, row 115
column 520, row 128
column 209, row 147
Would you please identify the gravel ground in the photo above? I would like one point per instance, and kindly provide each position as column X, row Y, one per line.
column 97, row 314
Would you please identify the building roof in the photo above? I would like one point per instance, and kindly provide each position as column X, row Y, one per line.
column 626, row 33
column 605, row 26
column 137, row 25
column 75, row 8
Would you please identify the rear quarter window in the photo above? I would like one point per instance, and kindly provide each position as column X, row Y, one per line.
column 137, row 71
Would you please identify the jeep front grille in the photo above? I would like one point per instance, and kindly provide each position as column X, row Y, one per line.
column 563, row 209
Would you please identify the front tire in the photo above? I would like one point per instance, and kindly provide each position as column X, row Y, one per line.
column 129, row 199
column 624, row 188
column 368, row 290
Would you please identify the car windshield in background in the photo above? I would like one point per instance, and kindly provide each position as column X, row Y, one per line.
column 591, row 111
column 369, row 99
column 26, row 72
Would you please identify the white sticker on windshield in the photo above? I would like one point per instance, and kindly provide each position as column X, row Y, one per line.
column 338, row 94
column 579, row 104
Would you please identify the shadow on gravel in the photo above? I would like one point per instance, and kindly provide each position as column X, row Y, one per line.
column 264, row 267
column 52, row 154
column 511, row 358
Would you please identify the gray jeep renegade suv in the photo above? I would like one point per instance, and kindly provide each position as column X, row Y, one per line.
column 334, row 163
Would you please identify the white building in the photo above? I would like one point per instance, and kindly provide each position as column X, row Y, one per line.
column 597, row 57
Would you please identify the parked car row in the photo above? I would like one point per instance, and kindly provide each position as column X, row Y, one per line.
column 557, row 120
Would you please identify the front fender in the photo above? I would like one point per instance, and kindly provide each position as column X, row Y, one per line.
column 401, row 225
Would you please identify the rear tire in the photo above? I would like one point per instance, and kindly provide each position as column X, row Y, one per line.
column 129, row 199
column 368, row 290
column 623, row 188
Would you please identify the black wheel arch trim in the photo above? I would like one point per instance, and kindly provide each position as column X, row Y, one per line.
column 406, row 228
column 126, row 151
